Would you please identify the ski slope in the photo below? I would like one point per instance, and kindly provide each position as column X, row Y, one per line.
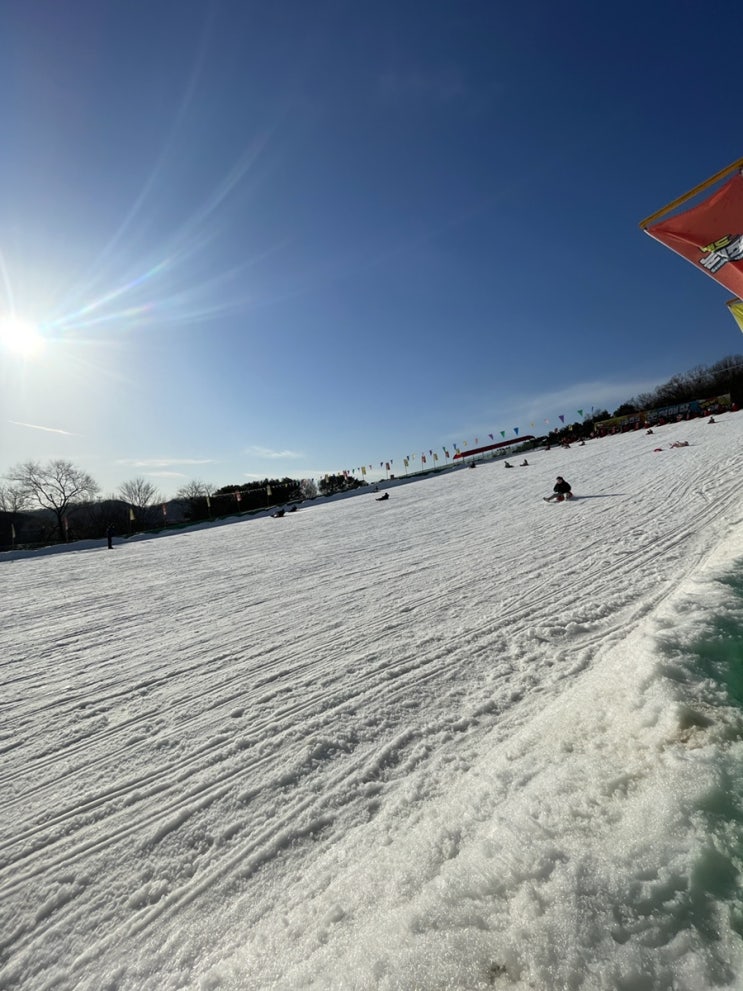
column 462, row 739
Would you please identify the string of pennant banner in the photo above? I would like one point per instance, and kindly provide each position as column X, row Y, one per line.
column 447, row 450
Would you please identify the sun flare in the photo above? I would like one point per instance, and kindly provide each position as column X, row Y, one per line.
column 20, row 336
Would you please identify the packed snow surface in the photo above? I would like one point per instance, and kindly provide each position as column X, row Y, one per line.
column 461, row 739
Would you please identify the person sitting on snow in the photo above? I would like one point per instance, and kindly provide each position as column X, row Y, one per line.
column 561, row 491
column 524, row 464
column 507, row 465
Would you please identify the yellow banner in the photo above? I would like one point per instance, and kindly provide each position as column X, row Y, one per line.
column 736, row 309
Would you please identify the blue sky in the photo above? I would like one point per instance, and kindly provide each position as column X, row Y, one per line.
column 301, row 237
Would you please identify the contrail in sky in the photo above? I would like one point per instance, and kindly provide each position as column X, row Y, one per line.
column 35, row 426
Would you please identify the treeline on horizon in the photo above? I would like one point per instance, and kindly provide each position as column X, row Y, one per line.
column 702, row 382
column 56, row 502
column 59, row 501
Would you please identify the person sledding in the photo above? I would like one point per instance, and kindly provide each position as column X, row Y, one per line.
column 561, row 491
column 382, row 498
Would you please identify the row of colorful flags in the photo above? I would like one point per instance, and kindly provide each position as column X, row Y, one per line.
column 449, row 450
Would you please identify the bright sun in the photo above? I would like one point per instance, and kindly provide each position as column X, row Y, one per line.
column 20, row 336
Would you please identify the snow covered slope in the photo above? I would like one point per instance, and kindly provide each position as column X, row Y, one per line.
column 458, row 740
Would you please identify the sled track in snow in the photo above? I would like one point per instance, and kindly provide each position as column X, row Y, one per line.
column 215, row 706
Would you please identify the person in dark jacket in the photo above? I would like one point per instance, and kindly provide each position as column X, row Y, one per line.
column 561, row 491
column 383, row 497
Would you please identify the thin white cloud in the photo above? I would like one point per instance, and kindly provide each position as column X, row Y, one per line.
column 266, row 452
column 36, row 426
column 540, row 412
column 165, row 474
column 164, row 462
column 597, row 395
column 304, row 473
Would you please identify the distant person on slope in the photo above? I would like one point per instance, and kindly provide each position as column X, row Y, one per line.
column 383, row 497
column 561, row 491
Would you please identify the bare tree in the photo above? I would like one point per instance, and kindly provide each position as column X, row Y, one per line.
column 57, row 485
column 141, row 496
column 195, row 490
column 139, row 493
column 197, row 495
column 13, row 499
column 12, row 502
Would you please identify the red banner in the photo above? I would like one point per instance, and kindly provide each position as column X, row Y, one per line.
column 491, row 447
column 710, row 235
